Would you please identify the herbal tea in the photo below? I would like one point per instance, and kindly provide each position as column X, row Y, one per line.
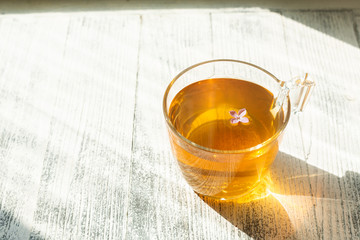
column 225, row 115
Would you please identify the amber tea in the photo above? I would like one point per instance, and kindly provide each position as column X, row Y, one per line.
column 226, row 119
column 224, row 116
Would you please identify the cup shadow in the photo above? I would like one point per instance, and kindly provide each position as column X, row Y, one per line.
column 304, row 202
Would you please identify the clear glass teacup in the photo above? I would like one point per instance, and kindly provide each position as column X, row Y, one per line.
column 225, row 120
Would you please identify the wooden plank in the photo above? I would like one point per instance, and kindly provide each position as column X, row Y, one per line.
column 80, row 159
column 323, row 44
column 161, row 204
column 81, row 105
column 86, row 169
column 258, row 37
column 31, row 51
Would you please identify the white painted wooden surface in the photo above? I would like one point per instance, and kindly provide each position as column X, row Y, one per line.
column 83, row 146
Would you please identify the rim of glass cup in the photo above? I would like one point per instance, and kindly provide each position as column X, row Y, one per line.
column 260, row 145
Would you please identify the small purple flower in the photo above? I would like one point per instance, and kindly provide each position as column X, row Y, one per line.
column 239, row 117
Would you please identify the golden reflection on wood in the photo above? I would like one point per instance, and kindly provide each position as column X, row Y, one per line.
column 290, row 209
column 260, row 219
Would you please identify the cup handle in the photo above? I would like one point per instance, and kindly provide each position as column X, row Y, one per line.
column 299, row 91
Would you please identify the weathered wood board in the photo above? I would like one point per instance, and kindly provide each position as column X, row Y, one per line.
column 84, row 152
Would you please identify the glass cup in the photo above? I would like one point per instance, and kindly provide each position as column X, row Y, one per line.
column 239, row 173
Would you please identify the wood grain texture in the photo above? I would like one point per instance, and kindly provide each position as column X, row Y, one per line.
column 247, row 40
column 323, row 44
column 95, row 142
column 79, row 95
column 84, row 152
column 161, row 205
column 30, row 54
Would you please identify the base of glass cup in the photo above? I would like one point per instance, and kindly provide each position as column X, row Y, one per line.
column 259, row 191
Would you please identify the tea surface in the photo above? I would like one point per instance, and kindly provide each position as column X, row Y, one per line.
column 200, row 112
